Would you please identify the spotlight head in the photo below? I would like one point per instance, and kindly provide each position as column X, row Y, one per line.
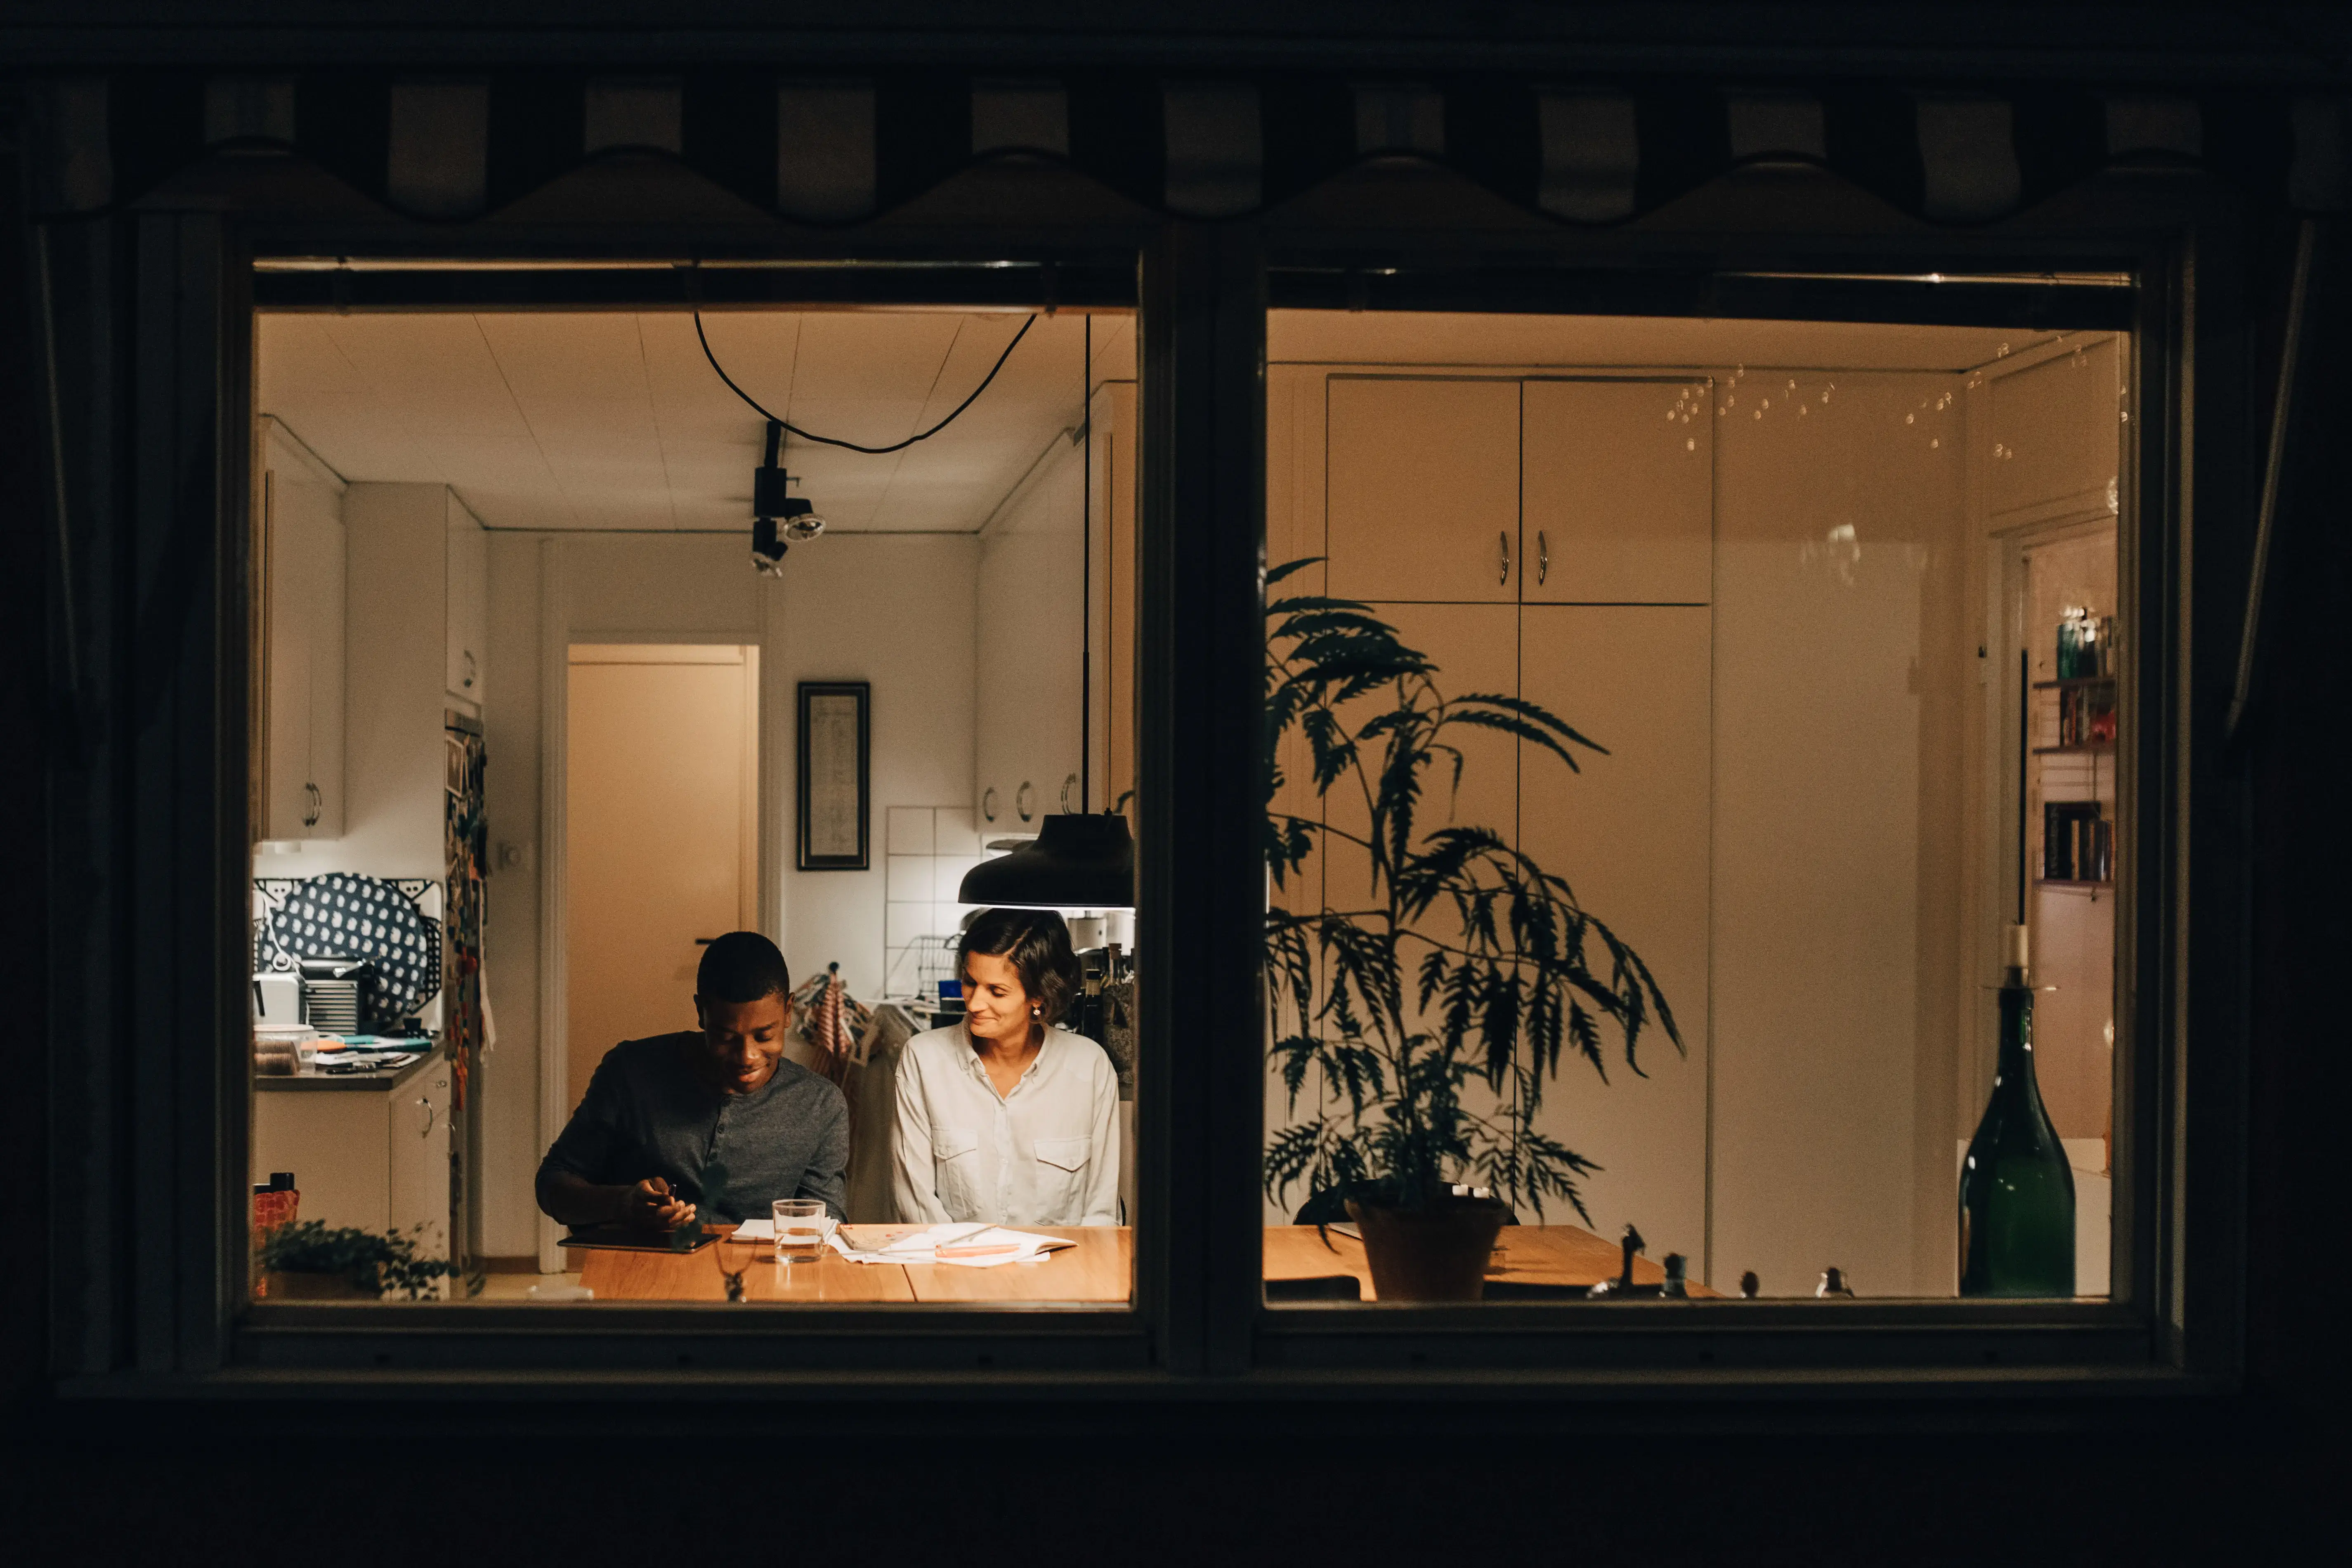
column 767, row 549
column 800, row 519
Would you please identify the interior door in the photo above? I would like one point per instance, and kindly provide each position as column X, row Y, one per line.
column 661, row 839
column 1422, row 487
column 1629, row 832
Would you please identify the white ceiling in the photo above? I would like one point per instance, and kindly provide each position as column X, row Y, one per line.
column 611, row 420
column 608, row 420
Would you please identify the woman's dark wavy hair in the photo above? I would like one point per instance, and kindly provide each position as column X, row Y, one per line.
column 1037, row 944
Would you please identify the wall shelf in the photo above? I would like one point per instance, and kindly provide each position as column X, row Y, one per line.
column 2071, row 682
column 2083, row 749
column 2073, row 884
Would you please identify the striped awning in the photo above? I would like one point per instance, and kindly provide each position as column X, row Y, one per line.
column 843, row 151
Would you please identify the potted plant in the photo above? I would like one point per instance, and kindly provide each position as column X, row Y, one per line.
column 1430, row 1013
column 307, row 1262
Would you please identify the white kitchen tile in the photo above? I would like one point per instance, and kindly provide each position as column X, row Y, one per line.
column 903, row 973
column 947, row 875
column 947, row 919
column 902, row 924
column 955, row 832
column 910, row 830
column 910, row 878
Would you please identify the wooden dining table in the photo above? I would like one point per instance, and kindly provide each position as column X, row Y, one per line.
column 1545, row 1255
column 1098, row 1268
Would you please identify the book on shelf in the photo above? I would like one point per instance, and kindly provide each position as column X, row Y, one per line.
column 2077, row 842
column 2086, row 715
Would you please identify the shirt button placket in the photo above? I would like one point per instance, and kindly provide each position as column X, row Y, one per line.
column 1003, row 1160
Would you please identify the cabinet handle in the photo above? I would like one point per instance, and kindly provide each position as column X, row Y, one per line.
column 426, row 1106
column 988, row 803
column 1543, row 557
column 1503, row 539
column 471, row 669
column 1069, row 788
column 1024, row 800
column 317, row 807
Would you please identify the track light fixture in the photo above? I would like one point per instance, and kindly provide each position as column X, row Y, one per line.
column 778, row 518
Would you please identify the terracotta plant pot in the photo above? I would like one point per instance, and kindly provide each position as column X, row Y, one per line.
column 1433, row 1254
column 283, row 1286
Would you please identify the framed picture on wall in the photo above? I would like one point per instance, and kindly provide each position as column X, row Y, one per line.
column 835, row 810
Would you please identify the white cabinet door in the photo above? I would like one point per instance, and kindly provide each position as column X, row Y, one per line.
column 1629, row 833
column 325, row 554
column 286, row 668
column 418, row 1113
column 467, row 602
column 302, row 580
column 1424, row 489
column 1476, row 650
column 1620, row 496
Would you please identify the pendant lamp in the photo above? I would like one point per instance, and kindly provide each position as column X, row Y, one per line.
column 1075, row 862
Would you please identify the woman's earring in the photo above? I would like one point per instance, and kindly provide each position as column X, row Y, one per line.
column 1036, row 1013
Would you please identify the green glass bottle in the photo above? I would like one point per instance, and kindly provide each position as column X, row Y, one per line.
column 2017, row 1192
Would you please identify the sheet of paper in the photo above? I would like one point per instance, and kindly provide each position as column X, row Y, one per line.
column 756, row 1230
column 873, row 1243
column 991, row 1260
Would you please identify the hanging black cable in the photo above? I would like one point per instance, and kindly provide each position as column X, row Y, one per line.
column 835, row 441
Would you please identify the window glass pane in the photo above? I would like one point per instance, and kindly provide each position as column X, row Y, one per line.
column 1675, row 717
column 615, row 854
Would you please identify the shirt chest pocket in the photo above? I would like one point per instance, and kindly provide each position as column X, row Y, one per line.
column 955, row 1155
column 1060, row 1178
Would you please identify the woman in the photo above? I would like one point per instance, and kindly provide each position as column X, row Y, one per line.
column 1005, row 1117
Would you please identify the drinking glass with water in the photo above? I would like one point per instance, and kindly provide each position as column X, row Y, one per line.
column 802, row 1227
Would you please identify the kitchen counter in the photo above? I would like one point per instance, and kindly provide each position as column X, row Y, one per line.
column 353, row 1082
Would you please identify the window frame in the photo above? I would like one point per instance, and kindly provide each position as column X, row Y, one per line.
column 149, row 1133
column 2178, row 1174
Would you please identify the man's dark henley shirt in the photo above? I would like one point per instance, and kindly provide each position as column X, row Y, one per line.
column 647, row 1114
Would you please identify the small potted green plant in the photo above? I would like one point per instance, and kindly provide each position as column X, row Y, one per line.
column 1423, row 1019
column 307, row 1262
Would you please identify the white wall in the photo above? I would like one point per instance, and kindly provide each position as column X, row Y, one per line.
column 1836, row 824
column 894, row 610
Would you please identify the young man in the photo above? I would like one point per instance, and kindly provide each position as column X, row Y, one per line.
column 707, row 1125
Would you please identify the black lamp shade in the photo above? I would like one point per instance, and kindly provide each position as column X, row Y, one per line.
column 1075, row 862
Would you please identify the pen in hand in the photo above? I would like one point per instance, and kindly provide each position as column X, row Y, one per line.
column 659, row 1203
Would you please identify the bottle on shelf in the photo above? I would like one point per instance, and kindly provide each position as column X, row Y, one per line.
column 2017, row 1192
column 2074, row 621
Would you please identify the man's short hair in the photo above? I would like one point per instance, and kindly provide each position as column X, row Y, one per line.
column 741, row 966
